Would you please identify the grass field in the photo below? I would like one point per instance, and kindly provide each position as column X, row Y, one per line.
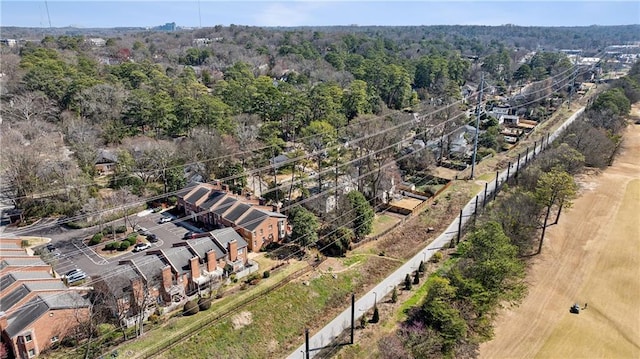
column 592, row 256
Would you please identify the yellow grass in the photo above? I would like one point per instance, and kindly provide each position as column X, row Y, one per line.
column 592, row 256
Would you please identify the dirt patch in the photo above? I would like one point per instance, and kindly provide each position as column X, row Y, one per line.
column 241, row 320
column 331, row 265
column 592, row 256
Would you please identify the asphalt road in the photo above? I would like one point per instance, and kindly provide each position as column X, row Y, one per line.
column 71, row 252
column 342, row 322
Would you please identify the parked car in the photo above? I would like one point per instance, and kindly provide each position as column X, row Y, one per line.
column 142, row 230
column 75, row 275
column 73, row 271
column 152, row 238
column 165, row 219
column 141, row 247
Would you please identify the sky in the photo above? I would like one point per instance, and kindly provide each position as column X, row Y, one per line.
column 207, row 13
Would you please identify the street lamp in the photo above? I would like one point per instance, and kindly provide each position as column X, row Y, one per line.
column 424, row 256
column 375, row 299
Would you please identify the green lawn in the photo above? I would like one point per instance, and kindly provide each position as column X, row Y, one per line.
column 277, row 321
column 382, row 222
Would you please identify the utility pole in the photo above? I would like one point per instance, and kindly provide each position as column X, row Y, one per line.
column 475, row 139
column 573, row 80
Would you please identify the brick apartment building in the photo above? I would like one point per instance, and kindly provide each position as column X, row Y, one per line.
column 170, row 275
column 37, row 309
column 214, row 206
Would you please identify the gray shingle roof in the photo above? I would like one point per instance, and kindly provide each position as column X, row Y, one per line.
column 27, row 314
column 119, row 283
column 236, row 212
column 9, row 245
column 19, row 320
column 253, row 219
column 201, row 246
column 22, row 262
column 10, row 299
column 225, row 205
column 179, row 258
column 7, row 280
column 151, row 267
column 226, row 235
column 195, row 196
column 67, row 300
column 214, row 198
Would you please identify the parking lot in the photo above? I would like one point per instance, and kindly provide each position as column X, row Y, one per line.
column 67, row 255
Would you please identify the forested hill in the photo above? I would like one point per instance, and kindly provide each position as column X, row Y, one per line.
column 529, row 37
column 577, row 37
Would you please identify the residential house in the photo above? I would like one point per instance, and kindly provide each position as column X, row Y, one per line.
column 97, row 41
column 460, row 141
column 105, row 162
column 9, row 42
column 202, row 41
column 508, row 120
column 498, row 111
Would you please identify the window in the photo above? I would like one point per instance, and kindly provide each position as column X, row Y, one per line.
column 54, row 339
column 32, row 353
column 241, row 250
column 271, row 227
column 261, row 231
column 27, row 338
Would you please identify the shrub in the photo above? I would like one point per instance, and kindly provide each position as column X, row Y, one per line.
column 132, row 237
column 376, row 315
column 96, row 239
column 121, row 229
column 112, row 246
column 191, row 308
column 416, row 278
column 219, row 293
column 204, row 304
column 124, row 245
column 252, row 278
column 437, row 257
column 407, row 282
column 107, row 230
column 105, row 328
column 24, row 243
column 266, row 274
column 394, row 295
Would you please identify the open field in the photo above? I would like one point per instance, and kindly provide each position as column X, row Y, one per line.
column 592, row 256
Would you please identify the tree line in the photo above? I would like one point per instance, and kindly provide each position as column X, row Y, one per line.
column 489, row 266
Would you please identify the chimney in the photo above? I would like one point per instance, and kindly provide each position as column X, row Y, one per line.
column 233, row 250
column 212, row 264
column 194, row 264
column 225, row 187
column 3, row 321
column 167, row 277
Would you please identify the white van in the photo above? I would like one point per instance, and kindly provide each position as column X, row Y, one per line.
column 76, row 277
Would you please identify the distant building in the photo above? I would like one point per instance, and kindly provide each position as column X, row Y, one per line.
column 9, row 42
column 203, row 41
column 170, row 26
column 97, row 41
